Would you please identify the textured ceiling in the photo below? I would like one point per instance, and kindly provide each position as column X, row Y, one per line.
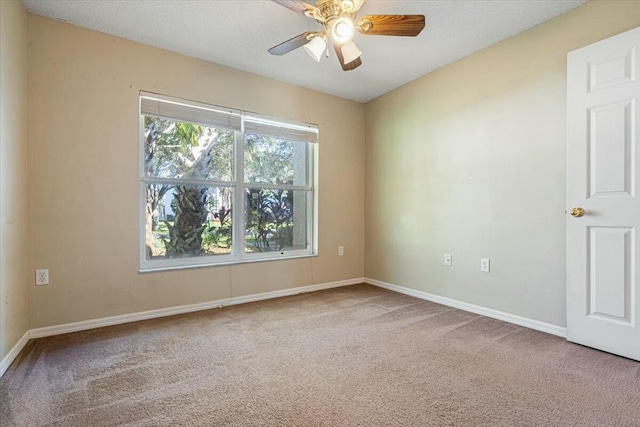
column 237, row 33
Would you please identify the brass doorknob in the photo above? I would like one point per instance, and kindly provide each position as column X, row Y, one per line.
column 577, row 212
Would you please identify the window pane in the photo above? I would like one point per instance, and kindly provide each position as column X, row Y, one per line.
column 274, row 160
column 276, row 220
column 174, row 149
column 187, row 221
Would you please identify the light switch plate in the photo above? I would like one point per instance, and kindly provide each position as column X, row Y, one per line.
column 447, row 260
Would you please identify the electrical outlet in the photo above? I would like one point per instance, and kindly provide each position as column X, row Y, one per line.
column 340, row 250
column 485, row 265
column 447, row 260
column 42, row 277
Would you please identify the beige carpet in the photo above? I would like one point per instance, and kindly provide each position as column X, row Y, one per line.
column 353, row 356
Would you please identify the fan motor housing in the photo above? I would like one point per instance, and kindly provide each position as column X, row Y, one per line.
column 331, row 9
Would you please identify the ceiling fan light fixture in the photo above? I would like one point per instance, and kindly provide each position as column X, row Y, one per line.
column 339, row 24
column 316, row 47
column 342, row 30
column 350, row 52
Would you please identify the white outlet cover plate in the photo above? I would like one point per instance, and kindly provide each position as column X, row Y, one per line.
column 485, row 265
column 42, row 277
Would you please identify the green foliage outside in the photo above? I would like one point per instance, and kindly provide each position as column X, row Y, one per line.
column 220, row 236
column 272, row 225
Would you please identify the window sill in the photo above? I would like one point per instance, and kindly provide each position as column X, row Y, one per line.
column 221, row 264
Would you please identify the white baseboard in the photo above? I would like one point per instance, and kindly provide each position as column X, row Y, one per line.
column 163, row 312
column 13, row 353
column 488, row 312
column 293, row 291
column 170, row 311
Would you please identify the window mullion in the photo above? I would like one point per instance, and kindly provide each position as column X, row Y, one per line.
column 261, row 186
column 181, row 181
column 239, row 209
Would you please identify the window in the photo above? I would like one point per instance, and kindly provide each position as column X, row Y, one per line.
column 223, row 186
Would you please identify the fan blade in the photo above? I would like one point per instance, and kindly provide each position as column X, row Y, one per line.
column 391, row 25
column 351, row 65
column 295, row 5
column 291, row 44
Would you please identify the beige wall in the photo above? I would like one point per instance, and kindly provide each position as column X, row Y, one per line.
column 83, row 164
column 13, row 175
column 470, row 160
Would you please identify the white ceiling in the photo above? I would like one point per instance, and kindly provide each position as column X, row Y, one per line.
column 237, row 33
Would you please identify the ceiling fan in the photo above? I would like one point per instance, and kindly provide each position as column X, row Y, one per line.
column 338, row 19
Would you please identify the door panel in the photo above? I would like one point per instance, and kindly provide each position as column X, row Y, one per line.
column 612, row 70
column 610, row 283
column 610, row 143
column 603, row 125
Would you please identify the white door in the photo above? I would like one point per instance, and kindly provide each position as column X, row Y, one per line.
column 603, row 178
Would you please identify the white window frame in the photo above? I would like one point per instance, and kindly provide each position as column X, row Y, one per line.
column 237, row 184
